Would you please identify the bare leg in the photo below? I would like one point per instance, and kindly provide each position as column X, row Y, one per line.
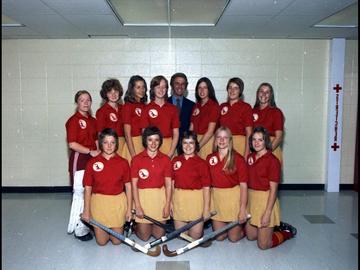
column 115, row 240
column 101, row 236
column 218, row 225
column 143, row 231
column 156, row 231
column 251, row 232
column 265, row 237
column 236, row 233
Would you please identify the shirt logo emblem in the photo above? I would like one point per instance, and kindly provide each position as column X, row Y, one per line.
column 98, row 166
column 153, row 113
column 213, row 161
column 255, row 117
column 138, row 112
column 196, row 112
column 143, row 173
column 177, row 165
column 224, row 110
column 82, row 123
column 113, row 117
column 250, row 161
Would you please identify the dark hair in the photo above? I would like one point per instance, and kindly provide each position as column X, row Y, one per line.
column 272, row 96
column 108, row 85
column 239, row 83
column 155, row 82
column 266, row 136
column 210, row 89
column 130, row 95
column 178, row 75
column 149, row 131
column 189, row 135
column 108, row 132
column 79, row 93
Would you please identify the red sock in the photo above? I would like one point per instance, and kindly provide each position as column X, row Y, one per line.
column 279, row 237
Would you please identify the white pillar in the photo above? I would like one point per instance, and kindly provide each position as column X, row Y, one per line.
column 335, row 108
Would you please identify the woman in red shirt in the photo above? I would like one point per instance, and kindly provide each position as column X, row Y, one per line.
column 191, row 186
column 205, row 115
column 110, row 114
column 108, row 197
column 133, row 110
column 264, row 176
column 151, row 185
column 269, row 116
column 237, row 116
column 229, row 185
column 82, row 140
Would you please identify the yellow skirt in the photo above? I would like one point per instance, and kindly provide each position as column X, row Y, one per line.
column 278, row 152
column 137, row 141
column 226, row 202
column 109, row 210
column 121, row 146
column 239, row 143
column 152, row 201
column 188, row 204
column 207, row 149
column 257, row 201
column 166, row 145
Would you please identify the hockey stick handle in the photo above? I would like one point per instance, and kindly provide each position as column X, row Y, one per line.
column 156, row 222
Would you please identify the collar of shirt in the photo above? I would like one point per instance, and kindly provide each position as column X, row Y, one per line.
column 145, row 154
column 176, row 97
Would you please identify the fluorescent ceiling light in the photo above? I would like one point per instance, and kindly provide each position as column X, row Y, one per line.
column 345, row 18
column 8, row 22
column 168, row 12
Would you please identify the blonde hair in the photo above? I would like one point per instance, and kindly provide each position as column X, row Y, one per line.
column 229, row 166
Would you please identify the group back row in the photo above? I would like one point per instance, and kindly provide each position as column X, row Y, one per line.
column 173, row 115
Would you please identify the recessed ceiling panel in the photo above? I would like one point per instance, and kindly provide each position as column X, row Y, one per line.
column 347, row 17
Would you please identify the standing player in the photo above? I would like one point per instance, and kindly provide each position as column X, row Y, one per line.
column 135, row 100
column 82, row 141
column 191, row 185
column 106, row 179
column 229, row 185
column 237, row 116
column 205, row 115
column 110, row 114
column 264, row 175
column 161, row 114
column 151, row 185
column 267, row 115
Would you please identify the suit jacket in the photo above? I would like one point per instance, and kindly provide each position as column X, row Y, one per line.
column 185, row 114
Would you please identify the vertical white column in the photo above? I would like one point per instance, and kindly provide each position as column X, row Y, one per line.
column 335, row 108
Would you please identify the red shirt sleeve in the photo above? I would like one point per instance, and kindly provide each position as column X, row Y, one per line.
column 248, row 116
column 205, row 176
column 214, row 113
column 274, row 170
column 242, row 170
column 167, row 167
column 71, row 130
column 127, row 177
column 88, row 175
column 278, row 120
column 100, row 120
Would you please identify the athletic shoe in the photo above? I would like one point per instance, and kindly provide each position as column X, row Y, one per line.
column 86, row 237
column 287, row 227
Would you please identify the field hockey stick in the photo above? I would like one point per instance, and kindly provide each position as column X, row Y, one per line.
column 130, row 229
column 153, row 253
column 177, row 232
column 200, row 241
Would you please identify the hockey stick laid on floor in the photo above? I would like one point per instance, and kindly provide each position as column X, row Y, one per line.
column 153, row 253
column 177, row 232
column 200, row 241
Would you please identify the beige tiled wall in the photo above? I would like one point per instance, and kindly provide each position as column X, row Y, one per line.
column 40, row 78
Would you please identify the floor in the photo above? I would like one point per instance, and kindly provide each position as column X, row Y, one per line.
column 34, row 237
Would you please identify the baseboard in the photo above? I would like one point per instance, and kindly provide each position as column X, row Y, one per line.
column 68, row 189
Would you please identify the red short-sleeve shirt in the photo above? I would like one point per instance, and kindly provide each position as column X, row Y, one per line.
column 221, row 179
column 108, row 117
column 107, row 177
column 263, row 170
column 203, row 115
column 132, row 114
column 164, row 117
column 270, row 118
column 192, row 173
column 151, row 172
column 82, row 130
column 236, row 117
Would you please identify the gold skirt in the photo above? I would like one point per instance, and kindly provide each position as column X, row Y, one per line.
column 137, row 141
column 277, row 152
column 109, row 210
column 152, row 201
column 239, row 143
column 226, row 202
column 121, row 146
column 257, row 201
column 166, row 145
column 207, row 149
column 188, row 204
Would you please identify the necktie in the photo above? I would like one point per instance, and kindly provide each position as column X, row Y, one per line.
column 178, row 105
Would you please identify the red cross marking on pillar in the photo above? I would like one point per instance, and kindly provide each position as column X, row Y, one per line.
column 337, row 88
column 335, row 146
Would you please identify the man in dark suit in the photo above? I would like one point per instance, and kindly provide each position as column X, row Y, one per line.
column 179, row 85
